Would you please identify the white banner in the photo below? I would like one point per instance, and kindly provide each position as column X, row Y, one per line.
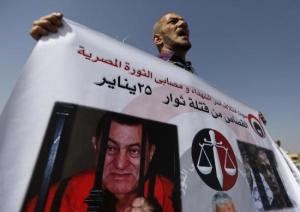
column 209, row 150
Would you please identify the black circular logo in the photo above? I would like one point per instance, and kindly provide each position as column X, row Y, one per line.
column 214, row 159
column 256, row 126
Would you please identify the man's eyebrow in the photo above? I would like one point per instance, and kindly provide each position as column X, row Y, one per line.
column 175, row 18
column 112, row 140
column 117, row 143
column 135, row 145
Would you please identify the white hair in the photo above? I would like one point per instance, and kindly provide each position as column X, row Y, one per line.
column 219, row 199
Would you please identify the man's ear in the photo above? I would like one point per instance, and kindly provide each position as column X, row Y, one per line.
column 94, row 143
column 157, row 40
column 152, row 151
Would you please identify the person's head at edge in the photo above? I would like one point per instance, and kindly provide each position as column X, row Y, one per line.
column 121, row 170
column 222, row 202
column 171, row 35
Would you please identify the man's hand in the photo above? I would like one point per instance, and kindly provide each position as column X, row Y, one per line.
column 140, row 204
column 46, row 24
column 262, row 118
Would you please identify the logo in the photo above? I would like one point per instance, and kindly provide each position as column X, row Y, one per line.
column 256, row 126
column 214, row 159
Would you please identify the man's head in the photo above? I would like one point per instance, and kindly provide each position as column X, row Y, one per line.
column 171, row 33
column 222, row 202
column 264, row 166
column 123, row 155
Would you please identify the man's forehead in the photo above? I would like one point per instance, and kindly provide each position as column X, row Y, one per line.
column 262, row 155
column 169, row 16
column 125, row 133
column 263, row 159
column 124, row 127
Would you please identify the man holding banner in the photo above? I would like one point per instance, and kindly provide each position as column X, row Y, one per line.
column 170, row 36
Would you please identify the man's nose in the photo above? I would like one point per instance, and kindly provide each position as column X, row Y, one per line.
column 270, row 175
column 268, row 171
column 121, row 161
column 182, row 23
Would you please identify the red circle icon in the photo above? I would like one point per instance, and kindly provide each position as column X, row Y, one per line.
column 256, row 126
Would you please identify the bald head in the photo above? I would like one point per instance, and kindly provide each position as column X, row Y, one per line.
column 171, row 33
column 158, row 23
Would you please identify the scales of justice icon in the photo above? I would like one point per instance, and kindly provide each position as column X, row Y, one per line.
column 206, row 168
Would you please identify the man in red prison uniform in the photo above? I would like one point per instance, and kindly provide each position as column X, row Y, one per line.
column 79, row 186
column 121, row 172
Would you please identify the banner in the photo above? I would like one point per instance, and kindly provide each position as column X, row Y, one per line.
column 93, row 122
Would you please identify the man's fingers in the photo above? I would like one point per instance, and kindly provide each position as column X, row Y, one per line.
column 37, row 32
column 262, row 118
column 140, row 204
column 54, row 18
column 46, row 24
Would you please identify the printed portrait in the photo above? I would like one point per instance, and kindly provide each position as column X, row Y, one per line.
column 265, row 184
column 100, row 160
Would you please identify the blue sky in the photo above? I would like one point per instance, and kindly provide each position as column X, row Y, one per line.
column 248, row 49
